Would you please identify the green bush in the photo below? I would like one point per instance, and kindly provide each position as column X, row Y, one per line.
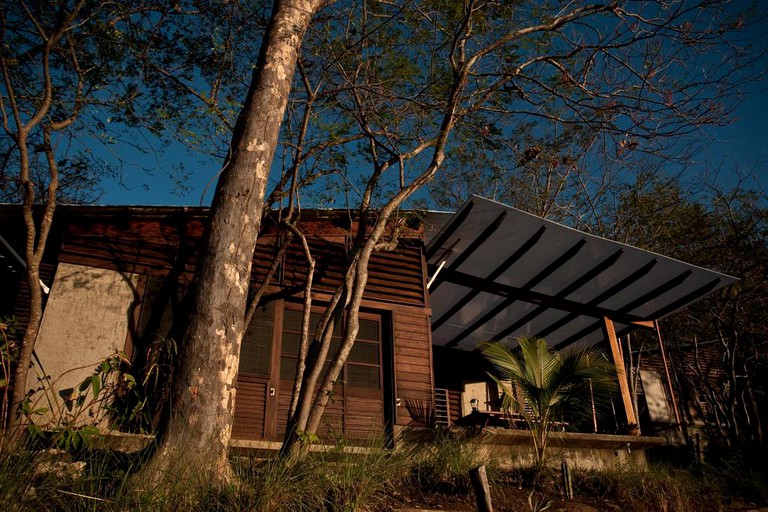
column 652, row 489
column 440, row 458
column 739, row 477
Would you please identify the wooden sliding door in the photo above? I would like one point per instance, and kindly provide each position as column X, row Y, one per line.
column 256, row 381
column 268, row 366
column 356, row 408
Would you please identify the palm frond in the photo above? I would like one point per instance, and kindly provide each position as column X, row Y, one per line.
column 548, row 380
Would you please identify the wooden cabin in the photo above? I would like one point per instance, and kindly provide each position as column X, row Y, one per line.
column 116, row 275
column 487, row 272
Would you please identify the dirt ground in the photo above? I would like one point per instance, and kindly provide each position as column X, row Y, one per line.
column 504, row 500
column 507, row 496
column 513, row 500
column 512, row 496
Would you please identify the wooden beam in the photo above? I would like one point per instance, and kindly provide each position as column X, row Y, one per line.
column 479, row 479
column 633, row 426
column 669, row 379
column 657, row 292
column 525, row 294
column 471, row 248
column 457, row 220
column 562, row 294
column 610, row 292
column 480, row 321
column 543, row 274
column 685, row 299
column 519, row 253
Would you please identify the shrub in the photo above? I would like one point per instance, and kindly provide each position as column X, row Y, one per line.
column 441, row 458
column 654, row 489
column 739, row 475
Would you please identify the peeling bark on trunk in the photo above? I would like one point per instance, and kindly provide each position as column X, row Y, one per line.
column 197, row 436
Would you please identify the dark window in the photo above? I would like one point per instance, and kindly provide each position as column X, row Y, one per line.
column 364, row 352
column 256, row 350
column 362, row 372
column 363, row 376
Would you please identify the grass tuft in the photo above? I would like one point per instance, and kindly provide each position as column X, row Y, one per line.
column 654, row 488
column 428, row 463
column 441, row 459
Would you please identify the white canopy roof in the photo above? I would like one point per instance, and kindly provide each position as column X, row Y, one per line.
column 504, row 273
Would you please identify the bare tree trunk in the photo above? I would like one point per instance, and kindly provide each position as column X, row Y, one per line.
column 36, row 236
column 35, row 246
column 199, row 429
column 15, row 418
column 312, row 402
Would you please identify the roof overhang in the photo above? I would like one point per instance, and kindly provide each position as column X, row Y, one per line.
column 498, row 273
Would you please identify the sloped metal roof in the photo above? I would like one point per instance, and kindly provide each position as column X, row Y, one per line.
column 499, row 273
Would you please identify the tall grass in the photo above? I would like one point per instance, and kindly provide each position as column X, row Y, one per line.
column 713, row 486
column 657, row 488
column 440, row 458
column 16, row 484
column 337, row 480
column 741, row 474
column 353, row 479
column 346, row 479
column 53, row 480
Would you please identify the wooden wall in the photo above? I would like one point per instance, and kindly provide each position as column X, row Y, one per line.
column 413, row 358
column 157, row 241
column 155, row 246
column 250, row 408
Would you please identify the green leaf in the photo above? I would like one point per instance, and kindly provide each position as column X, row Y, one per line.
column 307, row 438
column 95, row 385
column 88, row 434
column 65, row 441
column 34, row 430
column 77, row 439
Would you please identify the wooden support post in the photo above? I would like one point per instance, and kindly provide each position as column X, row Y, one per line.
column 482, row 492
column 669, row 379
column 567, row 480
column 610, row 333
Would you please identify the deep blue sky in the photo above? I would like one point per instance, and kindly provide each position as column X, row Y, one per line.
column 741, row 145
column 744, row 143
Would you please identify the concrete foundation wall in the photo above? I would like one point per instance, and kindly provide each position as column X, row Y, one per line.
column 86, row 320
column 511, row 448
column 514, row 448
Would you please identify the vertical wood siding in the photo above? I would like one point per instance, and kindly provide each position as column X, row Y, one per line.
column 413, row 359
column 150, row 242
column 250, row 409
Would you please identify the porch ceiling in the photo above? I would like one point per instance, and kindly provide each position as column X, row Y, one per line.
column 504, row 273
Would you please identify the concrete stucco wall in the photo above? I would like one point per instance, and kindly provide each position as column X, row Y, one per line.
column 513, row 448
column 86, row 320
